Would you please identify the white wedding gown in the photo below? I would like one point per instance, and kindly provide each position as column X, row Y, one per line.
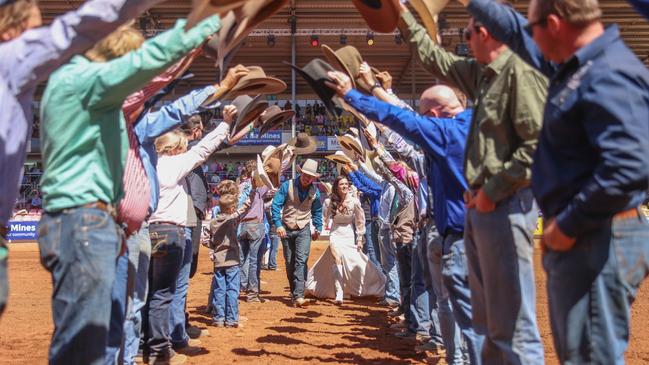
column 360, row 277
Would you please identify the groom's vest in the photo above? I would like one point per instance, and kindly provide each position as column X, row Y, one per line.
column 296, row 214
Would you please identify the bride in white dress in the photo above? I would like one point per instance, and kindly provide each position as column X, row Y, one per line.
column 344, row 270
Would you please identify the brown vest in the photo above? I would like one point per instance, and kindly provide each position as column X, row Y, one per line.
column 296, row 214
column 403, row 227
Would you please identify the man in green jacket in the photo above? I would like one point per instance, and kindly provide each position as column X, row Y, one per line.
column 508, row 97
column 84, row 143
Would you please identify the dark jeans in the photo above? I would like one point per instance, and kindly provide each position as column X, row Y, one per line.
column 225, row 297
column 272, row 255
column 297, row 246
column 79, row 247
column 177, row 319
column 4, row 280
column 251, row 253
column 371, row 247
column 404, row 258
column 196, row 246
column 167, row 247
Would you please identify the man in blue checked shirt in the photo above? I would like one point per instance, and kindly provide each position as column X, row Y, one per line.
column 441, row 131
column 590, row 171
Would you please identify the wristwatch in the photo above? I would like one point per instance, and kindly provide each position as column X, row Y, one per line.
column 376, row 86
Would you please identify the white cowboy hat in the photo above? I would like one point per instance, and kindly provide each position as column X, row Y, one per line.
column 309, row 167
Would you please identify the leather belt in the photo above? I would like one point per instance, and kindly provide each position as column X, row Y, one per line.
column 102, row 206
column 164, row 223
column 627, row 214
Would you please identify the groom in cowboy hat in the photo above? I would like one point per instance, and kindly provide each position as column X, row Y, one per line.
column 295, row 206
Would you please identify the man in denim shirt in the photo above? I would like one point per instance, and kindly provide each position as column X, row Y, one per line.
column 590, row 171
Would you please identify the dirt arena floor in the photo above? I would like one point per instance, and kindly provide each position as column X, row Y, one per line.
column 274, row 333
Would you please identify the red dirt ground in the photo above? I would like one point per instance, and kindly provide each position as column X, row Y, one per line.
column 355, row 333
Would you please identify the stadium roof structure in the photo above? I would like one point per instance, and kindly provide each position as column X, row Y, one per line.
column 271, row 43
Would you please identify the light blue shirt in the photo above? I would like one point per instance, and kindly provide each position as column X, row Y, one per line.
column 28, row 60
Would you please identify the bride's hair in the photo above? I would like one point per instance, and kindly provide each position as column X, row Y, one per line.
column 337, row 205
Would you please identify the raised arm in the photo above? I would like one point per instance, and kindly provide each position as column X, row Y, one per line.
column 365, row 185
column 33, row 56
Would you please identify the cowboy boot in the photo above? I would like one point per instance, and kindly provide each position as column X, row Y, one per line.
column 338, row 283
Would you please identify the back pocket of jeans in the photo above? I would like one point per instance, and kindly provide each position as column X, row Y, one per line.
column 159, row 246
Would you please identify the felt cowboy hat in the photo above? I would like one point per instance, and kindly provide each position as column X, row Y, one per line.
column 349, row 60
column 351, row 146
column 254, row 83
column 304, row 144
column 262, row 174
column 428, row 11
column 381, row 15
column 309, row 167
column 316, row 73
column 248, row 110
column 339, row 157
column 272, row 166
column 202, row 9
column 272, row 118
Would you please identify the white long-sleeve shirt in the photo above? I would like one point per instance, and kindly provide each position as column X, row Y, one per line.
column 174, row 200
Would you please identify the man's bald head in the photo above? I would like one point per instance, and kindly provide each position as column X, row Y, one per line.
column 440, row 101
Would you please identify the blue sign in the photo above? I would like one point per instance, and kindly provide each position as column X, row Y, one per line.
column 252, row 139
column 322, row 143
column 23, row 231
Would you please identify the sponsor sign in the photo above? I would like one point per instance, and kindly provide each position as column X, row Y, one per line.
column 252, row 139
column 332, row 144
column 23, row 230
column 322, row 143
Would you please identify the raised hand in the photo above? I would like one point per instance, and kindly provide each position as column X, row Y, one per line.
column 229, row 112
column 340, row 83
column 366, row 73
column 385, row 79
column 233, row 76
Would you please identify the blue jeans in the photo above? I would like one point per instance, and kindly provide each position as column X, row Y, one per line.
column 177, row 325
column 420, row 298
column 404, row 257
column 139, row 246
column 448, row 326
column 591, row 289
column 371, row 247
column 499, row 250
column 167, row 249
column 297, row 246
column 79, row 247
column 251, row 236
column 390, row 267
column 274, row 246
column 4, row 279
column 455, row 274
column 119, row 300
column 225, row 298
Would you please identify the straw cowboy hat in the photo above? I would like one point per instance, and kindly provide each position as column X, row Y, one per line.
column 316, row 73
column 272, row 165
column 339, row 157
column 248, row 110
column 254, row 83
column 309, row 167
column 381, row 15
column 428, row 11
column 349, row 60
column 202, row 9
column 272, row 118
column 351, row 146
column 304, row 144
column 262, row 174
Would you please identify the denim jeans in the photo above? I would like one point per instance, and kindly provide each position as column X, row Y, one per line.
column 420, row 296
column 448, row 326
column 119, row 298
column 499, row 250
column 225, row 298
column 591, row 289
column 455, row 275
column 297, row 247
column 4, row 279
column 404, row 257
column 79, row 247
column 167, row 249
column 274, row 246
column 371, row 247
column 139, row 246
column 196, row 246
column 251, row 237
column 390, row 266
column 177, row 325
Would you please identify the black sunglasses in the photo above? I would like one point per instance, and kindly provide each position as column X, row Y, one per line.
column 529, row 26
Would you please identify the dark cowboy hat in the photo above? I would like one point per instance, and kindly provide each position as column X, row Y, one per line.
column 248, row 110
column 381, row 15
column 315, row 74
column 304, row 144
column 254, row 83
column 202, row 9
column 349, row 60
column 272, row 118
column 428, row 11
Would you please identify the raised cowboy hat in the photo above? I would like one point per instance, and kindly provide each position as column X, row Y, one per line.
column 202, row 9
column 254, row 83
column 261, row 173
column 351, row 146
column 248, row 110
column 272, row 118
column 339, row 157
column 272, row 166
column 381, row 15
column 315, row 74
column 304, row 144
column 428, row 11
column 349, row 60
column 309, row 167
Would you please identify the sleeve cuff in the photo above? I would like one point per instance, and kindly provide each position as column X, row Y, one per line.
column 497, row 189
column 352, row 96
